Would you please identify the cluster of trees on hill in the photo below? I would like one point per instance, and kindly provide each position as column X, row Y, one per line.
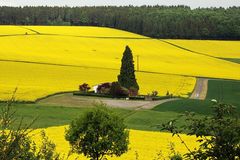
column 153, row 21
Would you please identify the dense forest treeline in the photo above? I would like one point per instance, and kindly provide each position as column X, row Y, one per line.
column 153, row 21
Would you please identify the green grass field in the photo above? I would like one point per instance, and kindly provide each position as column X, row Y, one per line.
column 235, row 60
column 183, row 105
column 224, row 91
column 56, row 116
column 50, row 115
column 221, row 90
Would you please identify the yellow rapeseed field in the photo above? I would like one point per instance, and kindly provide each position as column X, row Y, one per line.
column 35, row 80
column 154, row 55
column 221, row 49
column 85, row 31
column 146, row 144
column 61, row 58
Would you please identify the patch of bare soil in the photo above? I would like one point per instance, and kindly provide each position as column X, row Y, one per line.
column 69, row 100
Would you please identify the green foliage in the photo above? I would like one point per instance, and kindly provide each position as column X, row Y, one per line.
column 104, row 88
column 219, row 134
column 235, row 60
column 84, row 87
column 47, row 149
column 133, row 91
column 174, row 155
column 98, row 133
column 17, row 144
column 117, row 90
column 153, row 21
column 127, row 77
column 159, row 156
column 154, row 93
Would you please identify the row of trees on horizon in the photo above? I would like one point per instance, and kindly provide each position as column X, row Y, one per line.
column 153, row 21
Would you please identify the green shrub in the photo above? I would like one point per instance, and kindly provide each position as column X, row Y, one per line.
column 16, row 144
column 219, row 134
column 98, row 133
column 176, row 157
column 154, row 93
column 117, row 90
column 133, row 91
column 104, row 88
column 84, row 87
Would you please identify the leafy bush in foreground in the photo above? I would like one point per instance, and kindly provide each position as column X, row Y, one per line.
column 16, row 144
column 218, row 134
column 97, row 134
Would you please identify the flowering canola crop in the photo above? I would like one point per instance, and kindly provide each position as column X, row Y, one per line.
column 221, row 49
column 35, row 80
column 55, row 59
column 146, row 144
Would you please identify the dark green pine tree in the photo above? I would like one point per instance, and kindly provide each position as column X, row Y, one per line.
column 127, row 74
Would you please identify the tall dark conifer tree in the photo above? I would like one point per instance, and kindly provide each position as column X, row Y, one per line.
column 127, row 74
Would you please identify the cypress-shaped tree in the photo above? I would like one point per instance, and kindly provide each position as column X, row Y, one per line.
column 127, row 74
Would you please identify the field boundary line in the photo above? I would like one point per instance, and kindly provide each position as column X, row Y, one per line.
column 70, row 65
column 79, row 36
column 15, row 35
column 30, row 29
column 105, row 68
column 99, row 37
column 54, row 64
column 199, row 53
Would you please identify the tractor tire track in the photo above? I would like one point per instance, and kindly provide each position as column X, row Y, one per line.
column 30, row 29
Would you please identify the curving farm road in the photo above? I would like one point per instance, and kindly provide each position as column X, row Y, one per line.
column 200, row 90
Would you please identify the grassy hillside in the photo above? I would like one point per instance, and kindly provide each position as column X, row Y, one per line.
column 221, row 90
column 235, row 60
column 56, row 116
column 190, row 105
column 225, row 91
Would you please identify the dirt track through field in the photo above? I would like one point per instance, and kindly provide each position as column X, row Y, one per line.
column 69, row 100
column 200, row 90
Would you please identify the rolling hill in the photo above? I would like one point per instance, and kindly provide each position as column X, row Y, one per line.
column 42, row 60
